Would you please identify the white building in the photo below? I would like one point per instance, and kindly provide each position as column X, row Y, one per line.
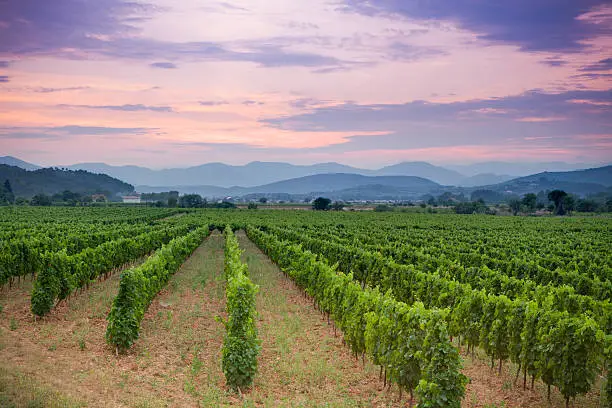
column 131, row 199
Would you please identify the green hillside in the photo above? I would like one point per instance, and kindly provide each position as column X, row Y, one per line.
column 53, row 180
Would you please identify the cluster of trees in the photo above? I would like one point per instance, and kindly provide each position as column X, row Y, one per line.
column 6, row 193
column 163, row 199
column 196, row 201
column 559, row 202
column 325, row 204
column 474, row 207
column 66, row 197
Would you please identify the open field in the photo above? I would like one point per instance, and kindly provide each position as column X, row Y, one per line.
column 62, row 358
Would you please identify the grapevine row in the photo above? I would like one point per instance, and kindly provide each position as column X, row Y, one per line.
column 140, row 285
column 62, row 274
column 429, row 257
column 563, row 350
column 240, row 345
column 410, row 342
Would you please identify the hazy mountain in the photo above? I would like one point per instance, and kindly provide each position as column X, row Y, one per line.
column 315, row 184
column 578, row 182
column 204, row 191
column 259, row 173
column 13, row 161
column 342, row 181
column 516, row 169
column 50, row 181
column 484, row 179
column 215, row 174
column 422, row 169
column 374, row 192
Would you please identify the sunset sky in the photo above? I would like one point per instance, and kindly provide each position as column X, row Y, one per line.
column 164, row 83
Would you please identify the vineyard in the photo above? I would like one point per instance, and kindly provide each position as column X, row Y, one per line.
column 176, row 307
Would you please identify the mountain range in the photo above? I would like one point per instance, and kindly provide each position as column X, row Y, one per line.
column 260, row 173
column 408, row 180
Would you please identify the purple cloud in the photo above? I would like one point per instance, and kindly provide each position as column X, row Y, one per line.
column 124, row 108
column 4, row 78
column 603, row 65
column 542, row 25
column 163, row 65
column 74, row 28
column 213, row 103
column 555, row 61
column 31, row 26
column 421, row 124
column 58, row 132
column 252, row 103
column 52, row 90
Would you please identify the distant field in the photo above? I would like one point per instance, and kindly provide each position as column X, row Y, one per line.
column 354, row 309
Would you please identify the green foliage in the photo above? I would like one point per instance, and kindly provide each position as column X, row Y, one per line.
column 475, row 207
column 6, row 193
column 240, row 345
column 504, row 327
column 191, row 201
column 321, row 204
column 529, row 201
column 140, row 285
column 62, row 274
column 41, row 200
column 411, row 342
column 383, row 208
column 558, row 198
column 49, row 181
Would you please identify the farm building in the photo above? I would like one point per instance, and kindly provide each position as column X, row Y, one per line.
column 131, row 199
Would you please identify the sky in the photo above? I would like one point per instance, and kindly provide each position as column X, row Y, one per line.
column 174, row 83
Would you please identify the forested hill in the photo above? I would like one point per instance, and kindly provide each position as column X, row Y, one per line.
column 53, row 180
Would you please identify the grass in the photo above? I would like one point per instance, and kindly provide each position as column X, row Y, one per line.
column 19, row 390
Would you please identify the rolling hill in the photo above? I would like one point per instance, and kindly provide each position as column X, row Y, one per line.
column 343, row 181
column 260, row 173
column 578, row 182
column 336, row 185
column 13, row 161
column 50, row 181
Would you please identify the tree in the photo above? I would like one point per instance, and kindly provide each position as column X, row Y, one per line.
column 321, row 204
column 475, row 207
column 337, row 206
column 41, row 199
column 586, row 205
column 383, row 208
column 172, row 201
column 515, row 206
column 529, row 201
column 263, row 200
column 569, row 203
column 252, row 206
column 7, row 186
column 190, row 201
column 557, row 196
column 6, row 193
